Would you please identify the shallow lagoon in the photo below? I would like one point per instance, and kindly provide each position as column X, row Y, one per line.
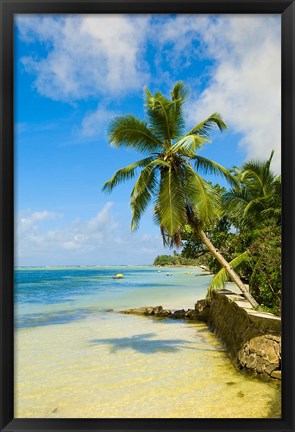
column 75, row 359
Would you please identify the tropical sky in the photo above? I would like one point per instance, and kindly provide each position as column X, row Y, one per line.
column 74, row 73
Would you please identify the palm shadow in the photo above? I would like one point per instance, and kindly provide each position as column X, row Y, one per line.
column 143, row 343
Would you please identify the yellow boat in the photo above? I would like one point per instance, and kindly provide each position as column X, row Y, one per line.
column 118, row 276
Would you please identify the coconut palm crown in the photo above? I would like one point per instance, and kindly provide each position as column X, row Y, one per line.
column 167, row 173
column 257, row 197
column 170, row 171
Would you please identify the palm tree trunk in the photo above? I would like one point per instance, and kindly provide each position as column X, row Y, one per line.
column 232, row 274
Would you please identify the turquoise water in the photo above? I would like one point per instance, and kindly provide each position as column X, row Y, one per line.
column 76, row 357
column 45, row 296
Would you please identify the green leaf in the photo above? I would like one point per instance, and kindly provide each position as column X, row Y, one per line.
column 221, row 277
column 170, row 204
column 205, row 127
column 144, row 189
column 180, row 92
column 201, row 197
column 125, row 174
column 211, row 167
column 188, row 145
column 132, row 132
column 165, row 116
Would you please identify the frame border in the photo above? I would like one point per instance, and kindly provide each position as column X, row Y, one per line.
column 7, row 10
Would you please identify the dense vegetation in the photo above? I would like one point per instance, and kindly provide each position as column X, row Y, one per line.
column 239, row 227
column 175, row 260
column 248, row 234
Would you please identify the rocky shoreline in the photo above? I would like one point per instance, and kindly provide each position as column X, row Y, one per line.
column 159, row 312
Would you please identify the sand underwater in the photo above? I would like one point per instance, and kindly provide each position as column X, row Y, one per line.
column 76, row 359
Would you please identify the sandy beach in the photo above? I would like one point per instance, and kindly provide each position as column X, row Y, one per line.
column 106, row 364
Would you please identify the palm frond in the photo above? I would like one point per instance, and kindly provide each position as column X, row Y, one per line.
column 170, row 204
column 165, row 116
column 271, row 212
column 257, row 174
column 253, row 177
column 257, row 203
column 125, row 174
column 157, row 111
column 221, row 277
column 270, row 157
column 168, row 239
column 259, row 194
column 188, row 144
column 211, row 167
column 180, row 92
column 205, row 127
column 142, row 193
column 201, row 197
column 235, row 201
column 132, row 132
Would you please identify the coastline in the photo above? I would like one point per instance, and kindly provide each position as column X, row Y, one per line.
column 170, row 368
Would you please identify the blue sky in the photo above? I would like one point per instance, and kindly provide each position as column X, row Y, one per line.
column 74, row 73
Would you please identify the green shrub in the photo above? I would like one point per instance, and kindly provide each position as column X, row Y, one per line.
column 265, row 280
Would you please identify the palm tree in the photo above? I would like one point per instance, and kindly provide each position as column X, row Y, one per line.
column 180, row 194
column 256, row 197
column 254, row 201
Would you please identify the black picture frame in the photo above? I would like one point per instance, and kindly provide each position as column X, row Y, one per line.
column 10, row 7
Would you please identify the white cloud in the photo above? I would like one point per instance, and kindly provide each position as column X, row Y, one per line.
column 28, row 221
column 78, row 235
column 87, row 55
column 95, row 122
column 245, row 79
column 98, row 240
column 104, row 56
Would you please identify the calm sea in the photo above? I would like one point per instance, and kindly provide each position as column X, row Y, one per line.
column 45, row 296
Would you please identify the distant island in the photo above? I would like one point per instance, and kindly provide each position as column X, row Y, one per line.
column 175, row 260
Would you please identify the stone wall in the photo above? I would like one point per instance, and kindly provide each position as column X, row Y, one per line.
column 252, row 339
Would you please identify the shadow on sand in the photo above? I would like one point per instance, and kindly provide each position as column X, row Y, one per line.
column 144, row 343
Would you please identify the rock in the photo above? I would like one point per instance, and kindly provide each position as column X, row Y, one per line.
column 157, row 311
column 242, row 357
column 190, row 314
column 178, row 314
column 271, row 367
column 140, row 311
column 260, row 365
column 251, row 362
column 276, row 374
column 265, row 347
column 165, row 313
column 202, row 308
column 151, row 310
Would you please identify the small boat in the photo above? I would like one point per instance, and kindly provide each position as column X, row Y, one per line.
column 118, row 276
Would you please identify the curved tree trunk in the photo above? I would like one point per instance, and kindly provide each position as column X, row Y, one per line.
column 232, row 274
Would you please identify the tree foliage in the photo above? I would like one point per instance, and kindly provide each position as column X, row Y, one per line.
column 248, row 234
column 170, row 175
column 171, row 171
column 174, row 260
